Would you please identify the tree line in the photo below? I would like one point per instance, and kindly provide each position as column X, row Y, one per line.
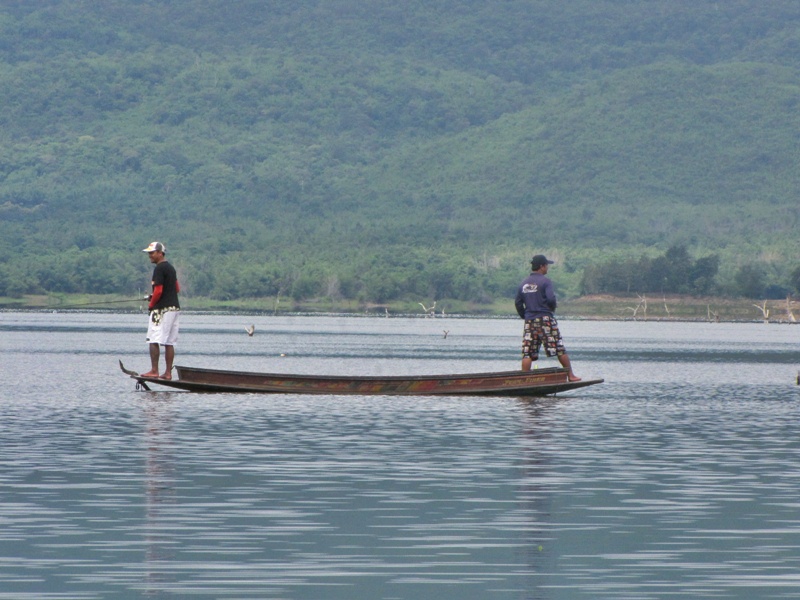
column 677, row 272
column 379, row 277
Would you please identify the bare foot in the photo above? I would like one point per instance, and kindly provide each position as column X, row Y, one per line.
column 150, row 373
column 573, row 378
column 167, row 376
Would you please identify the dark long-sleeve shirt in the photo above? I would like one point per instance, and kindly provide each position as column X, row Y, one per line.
column 535, row 297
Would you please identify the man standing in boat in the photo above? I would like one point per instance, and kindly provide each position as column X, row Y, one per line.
column 165, row 311
column 536, row 302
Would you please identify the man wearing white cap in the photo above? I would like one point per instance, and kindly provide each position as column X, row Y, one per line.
column 165, row 311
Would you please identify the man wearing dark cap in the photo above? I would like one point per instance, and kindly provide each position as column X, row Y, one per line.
column 536, row 302
column 165, row 311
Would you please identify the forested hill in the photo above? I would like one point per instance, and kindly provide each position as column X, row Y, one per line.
column 379, row 150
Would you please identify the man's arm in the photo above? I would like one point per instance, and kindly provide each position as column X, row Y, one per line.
column 519, row 304
column 155, row 296
column 550, row 295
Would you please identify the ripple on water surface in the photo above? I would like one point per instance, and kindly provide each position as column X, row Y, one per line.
column 677, row 477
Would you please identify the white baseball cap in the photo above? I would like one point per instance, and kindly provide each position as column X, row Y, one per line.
column 155, row 247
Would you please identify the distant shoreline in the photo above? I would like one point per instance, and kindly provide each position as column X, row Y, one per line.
column 599, row 308
column 641, row 307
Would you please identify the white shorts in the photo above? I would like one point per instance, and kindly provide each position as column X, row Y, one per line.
column 163, row 327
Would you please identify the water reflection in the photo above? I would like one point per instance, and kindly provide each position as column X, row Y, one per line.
column 677, row 477
column 537, row 470
column 160, row 493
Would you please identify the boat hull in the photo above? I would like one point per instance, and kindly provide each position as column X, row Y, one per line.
column 538, row 382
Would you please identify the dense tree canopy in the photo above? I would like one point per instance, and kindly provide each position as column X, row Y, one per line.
column 674, row 272
column 380, row 150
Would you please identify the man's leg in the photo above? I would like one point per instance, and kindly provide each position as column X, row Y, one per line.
column 155, row 354
column 169, row 357
column 531, row 342
column 564, row 360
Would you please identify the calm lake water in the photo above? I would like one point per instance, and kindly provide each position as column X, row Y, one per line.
column 678, row 477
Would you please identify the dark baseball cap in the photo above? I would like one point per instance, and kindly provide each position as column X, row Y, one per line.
column 539, row 260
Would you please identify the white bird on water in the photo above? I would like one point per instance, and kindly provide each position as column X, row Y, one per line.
column 250, row 330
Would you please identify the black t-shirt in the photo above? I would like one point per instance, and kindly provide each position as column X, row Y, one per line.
column 164, row 275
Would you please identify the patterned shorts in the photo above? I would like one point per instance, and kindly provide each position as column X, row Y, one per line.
column 538, row 331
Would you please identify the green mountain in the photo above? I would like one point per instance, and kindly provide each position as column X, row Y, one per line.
column 382, row 150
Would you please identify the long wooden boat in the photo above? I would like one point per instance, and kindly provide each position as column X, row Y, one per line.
column 539, row 382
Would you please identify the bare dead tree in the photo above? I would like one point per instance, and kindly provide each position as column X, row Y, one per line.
column 712, row 313
column 641, row 305
column 429, row 311
column 666, row 308
column 333, row 288
column 634, row 310
column 764, row 311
